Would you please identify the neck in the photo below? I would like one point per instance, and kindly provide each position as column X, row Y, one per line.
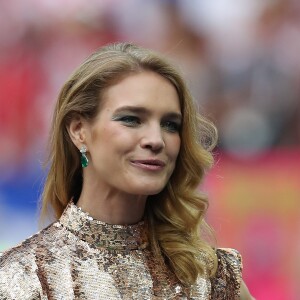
column 113, row 207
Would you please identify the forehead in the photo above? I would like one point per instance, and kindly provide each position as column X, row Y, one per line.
column 145, row 88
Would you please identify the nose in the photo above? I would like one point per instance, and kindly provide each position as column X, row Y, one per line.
column 152, row 139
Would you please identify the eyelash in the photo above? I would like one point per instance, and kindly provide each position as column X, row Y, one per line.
column 133, row 121
column 171, row 126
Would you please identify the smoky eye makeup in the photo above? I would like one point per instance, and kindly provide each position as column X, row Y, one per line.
column 127, row 119
column 172, row 122
column 132, row 116
column 129, row 115
column 171, row 126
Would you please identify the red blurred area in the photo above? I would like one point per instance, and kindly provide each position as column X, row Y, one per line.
column 21, row 81
column 255, row 208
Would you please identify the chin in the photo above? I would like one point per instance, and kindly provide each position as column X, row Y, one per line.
column 153, row 191
column 148, row 190
column 145, row 186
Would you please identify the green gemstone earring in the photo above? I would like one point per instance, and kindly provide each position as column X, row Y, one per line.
column 84, row 159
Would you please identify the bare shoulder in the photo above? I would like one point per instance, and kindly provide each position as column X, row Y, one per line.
column 244, row 292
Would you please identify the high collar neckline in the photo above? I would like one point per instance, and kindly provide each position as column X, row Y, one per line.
column 101, row 235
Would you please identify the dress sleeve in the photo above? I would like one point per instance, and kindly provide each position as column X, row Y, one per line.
column 227, row 280
column 18, row 277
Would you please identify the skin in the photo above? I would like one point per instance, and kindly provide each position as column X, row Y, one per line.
column 244, row 292
column 139, row 119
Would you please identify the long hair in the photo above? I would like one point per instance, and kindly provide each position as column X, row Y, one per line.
column 175, row 216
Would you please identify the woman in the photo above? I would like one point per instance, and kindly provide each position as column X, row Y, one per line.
column 126, row 159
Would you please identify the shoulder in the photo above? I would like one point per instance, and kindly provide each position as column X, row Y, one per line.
column 19, row 277
column 227, row 281
column 230, row 258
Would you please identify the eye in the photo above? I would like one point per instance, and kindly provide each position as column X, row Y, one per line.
column 129, row 120
column 171, row 126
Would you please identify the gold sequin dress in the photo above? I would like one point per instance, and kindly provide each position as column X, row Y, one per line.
column 78, row 257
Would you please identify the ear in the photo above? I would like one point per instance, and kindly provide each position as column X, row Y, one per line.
column 77, row 131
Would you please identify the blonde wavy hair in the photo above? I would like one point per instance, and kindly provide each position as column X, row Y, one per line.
column 175, row 216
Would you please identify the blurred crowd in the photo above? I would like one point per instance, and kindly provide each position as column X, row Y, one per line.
column 241, row 60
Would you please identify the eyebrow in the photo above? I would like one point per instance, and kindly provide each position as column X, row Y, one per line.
column 143, row 110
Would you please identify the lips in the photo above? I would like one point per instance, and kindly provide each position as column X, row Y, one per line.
column 149, row 164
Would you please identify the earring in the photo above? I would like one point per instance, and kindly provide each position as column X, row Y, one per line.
column 84, row 159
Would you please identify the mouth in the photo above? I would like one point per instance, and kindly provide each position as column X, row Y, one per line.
column 149, row 164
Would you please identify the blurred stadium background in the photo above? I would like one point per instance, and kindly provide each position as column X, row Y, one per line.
column 242, row 62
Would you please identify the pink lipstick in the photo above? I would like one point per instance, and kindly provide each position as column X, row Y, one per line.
column 149, row 164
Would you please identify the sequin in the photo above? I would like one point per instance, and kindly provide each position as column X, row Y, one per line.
column 78, row 257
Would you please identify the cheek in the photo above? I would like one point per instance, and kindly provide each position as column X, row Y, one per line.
column 174, row 146
column 115, row 139
column 105, row 134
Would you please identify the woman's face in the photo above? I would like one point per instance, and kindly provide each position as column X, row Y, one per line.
column 134, row 141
